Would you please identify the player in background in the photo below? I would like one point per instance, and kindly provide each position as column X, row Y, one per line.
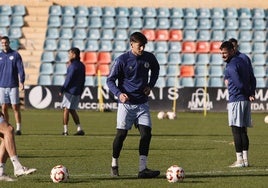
column 12, row 76
column 130, row 81
column 72, row 90
column 8, row 149
column 241, row 85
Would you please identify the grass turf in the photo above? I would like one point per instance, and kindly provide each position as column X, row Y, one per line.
column 201, row 145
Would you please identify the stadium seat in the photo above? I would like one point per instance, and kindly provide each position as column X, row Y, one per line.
column 176, row 12
column 60, row 68
column 162, row 70
column 188, row 47
column 258, row 13
column 53, row 21
column 149, row 34
column 245, row 35
column 119, row 46
column 122, row 23
column 258, row 59
column 122, row 12
column 203, row 13
column 106, row 34
column 215, row 47
column 95, row 22
column 216, row 59
column 136, row 12
column 108, row 22
column 90, row 69
column 120, row 34
column 161, row 58
column 79, row 34
column 187, row 82
column 115, row 55
column 15, row 33
column 203, row 35
column 58, row 80
column 106, row 45
column 245, row 47
column 231, row 34
column 3, row 31
column 18, row 10
column 149, row 12
column 92, row 45
column 162, row 23
column 5, row 10
column 163, row 12
column 94, row 34
column 81, row 22
column 17, row 21
column 231, row 24
column 217, row 13
column 259, row 71
column 217, row 23
column 67, row 21
column 174, row 58
column 188, row 59
column 62, row 57
column 173, row 82
column 259, row 47
column 175, row 35
column 14, row 44
column 161, row 46
column 135, row 23
column 202, row 59
column 104, row 58
column 46, row 68
column 216, row 82
column 176, row 23
column 149, row 23
column 204, row 23
column 189, row 35
column 150, row 46
column 162, row 35
column 104, row 69
column 244, row 13
column 202, row 47
column 260, row 82
column 95, row 11
column 4, row 21
column 245, row 24
column 52, row 33
column 201, row 71
column 161, row 82
column 108, row 11
column 81, row 11
column 90, row 57
column 64, row 45
column 216, row 70
column 55, row 10
column 201, row 82
column 90, row 81
column 190, row 23
column 259, row 24
column 187, row 71
column 102, row 81
column 259, row 36
column 79, row 43
column 66, row 33
column 174, row 46
column 44, row 80
column 189, row 12
column 50, row 45
column 68, row 10
column 231, row 13
column 173, row 70
column 47, row 57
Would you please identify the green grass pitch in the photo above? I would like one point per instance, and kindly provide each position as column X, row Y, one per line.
column 201, row 145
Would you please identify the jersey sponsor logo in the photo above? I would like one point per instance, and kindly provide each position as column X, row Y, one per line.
column 40, row 97
column 11, row 57
column 146, row 65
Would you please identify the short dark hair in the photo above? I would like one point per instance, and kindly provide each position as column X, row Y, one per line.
column 228, row 45
column 76, row 51
column 233, row 40
column 138, row 37
column 5, row 38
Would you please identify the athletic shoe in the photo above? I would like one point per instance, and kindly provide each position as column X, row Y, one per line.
column 65, row 134
column 24, row 171
column 147, row 173
column 6, row 178
column 114, row 171
column 246, row 163
column 18, row 132
column 237, row 164
column 79, row 133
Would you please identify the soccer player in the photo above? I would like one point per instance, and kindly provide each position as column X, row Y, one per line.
column 130, row 81
column 8, row 149
column 12, row 76
column 241, row 88
column 72, row 90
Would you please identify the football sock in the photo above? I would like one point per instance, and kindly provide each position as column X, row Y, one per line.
column 245, row 155
column 16, row 163
column 79, row 128
column 114, row 161
column 239, row 156
column 65, row 128
column 18, row 126
column 143, row 162
column 2, row 169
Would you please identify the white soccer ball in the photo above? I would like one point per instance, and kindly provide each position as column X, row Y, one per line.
column 175, row 174
column 266, row 119
column 171, row 115
column 161, row 115
column 59, row 174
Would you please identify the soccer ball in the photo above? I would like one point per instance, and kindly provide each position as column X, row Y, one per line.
column 266, row 119
column 171, row 115
column 59, row 174
column 175, row 174
column 161, row 115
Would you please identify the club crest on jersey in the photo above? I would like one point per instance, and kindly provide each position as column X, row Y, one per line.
column 130, row 67
column 11, row 57
column 146, row 65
